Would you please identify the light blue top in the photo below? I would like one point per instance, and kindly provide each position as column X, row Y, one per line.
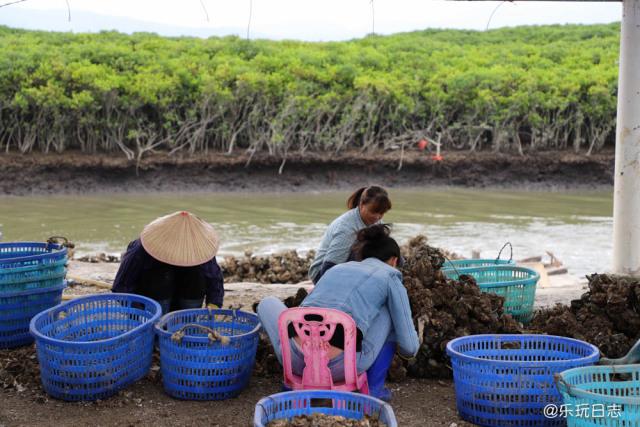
column 337, row 240
column 361, row 289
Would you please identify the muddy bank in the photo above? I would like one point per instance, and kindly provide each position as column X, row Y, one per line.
column 71, row 173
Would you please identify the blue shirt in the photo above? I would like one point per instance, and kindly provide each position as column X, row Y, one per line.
column 361, row 289
column 337, row 241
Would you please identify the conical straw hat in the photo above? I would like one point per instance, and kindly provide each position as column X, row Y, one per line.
column 181, row 239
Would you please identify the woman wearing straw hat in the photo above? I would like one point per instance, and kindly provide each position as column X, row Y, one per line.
column 174, row 263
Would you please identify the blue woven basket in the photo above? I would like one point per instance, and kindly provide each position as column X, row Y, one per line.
column 196, row 367
column 467, row 263
column 23, row 254
column 18, row 308
column 507, row 380
column 31, row 265
column 91, row 347
column 295, row 403
column 601, row 396
column 516, row 284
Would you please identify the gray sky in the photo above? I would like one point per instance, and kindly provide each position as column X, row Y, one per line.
column 296, row 19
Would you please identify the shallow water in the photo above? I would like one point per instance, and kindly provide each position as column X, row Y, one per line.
column 575, row 226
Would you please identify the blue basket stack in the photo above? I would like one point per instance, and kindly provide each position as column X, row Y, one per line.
column 507, row 380
column 307, row 402
column 207, row 354
column 31, row 280
column 603, row 396
column 92, row 347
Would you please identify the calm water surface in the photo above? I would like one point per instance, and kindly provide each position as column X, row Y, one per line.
column 577, row 227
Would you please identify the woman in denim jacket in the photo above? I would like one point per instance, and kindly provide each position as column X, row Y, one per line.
column 372, row 293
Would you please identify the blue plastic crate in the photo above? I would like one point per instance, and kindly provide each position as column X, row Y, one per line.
column 295, row 403
column 507, row 380
column 516, row 284
column 91, row 347
column 33, row 276
column 24, row 254
column 195, row 367
column 31, row 265
column 601, row 396
column 18, row 308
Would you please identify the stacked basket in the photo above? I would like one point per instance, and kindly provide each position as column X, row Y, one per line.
column 31, row 280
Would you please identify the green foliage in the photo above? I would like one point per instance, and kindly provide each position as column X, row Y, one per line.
column 524, row 89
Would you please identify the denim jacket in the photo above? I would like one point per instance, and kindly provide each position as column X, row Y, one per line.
column 361, row 289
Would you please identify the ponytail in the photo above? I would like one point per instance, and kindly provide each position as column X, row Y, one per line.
column 374, row 195
column 375, row 242
column 354, row 199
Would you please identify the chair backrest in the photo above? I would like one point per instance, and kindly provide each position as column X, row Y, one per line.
column 315, row 327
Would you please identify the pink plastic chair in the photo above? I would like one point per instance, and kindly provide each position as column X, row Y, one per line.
column 315, row 336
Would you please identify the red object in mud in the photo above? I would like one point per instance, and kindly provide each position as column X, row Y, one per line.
column 422, row 144
column 436, row 157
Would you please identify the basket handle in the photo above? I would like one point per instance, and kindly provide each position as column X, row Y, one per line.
column 562, row 385
column 60, row 240
column 510, row 249
column 452, row 265
column 213, row 335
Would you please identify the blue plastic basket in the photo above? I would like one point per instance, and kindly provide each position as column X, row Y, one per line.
column 516, row 284
column 295, row 403
column 601, row 396
column 91, row 347
column 31, row 265
column 467, row 263
column 18, row 308
column 23, row 254
column 195, row 367
column 507, row 380
column 33, row 276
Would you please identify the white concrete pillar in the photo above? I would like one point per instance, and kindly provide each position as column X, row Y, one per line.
column 626, row 198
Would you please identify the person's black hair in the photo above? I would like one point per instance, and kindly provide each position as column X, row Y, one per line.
column 373, row 195
column 375, row 242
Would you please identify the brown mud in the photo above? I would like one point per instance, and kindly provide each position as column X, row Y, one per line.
column 72, row 173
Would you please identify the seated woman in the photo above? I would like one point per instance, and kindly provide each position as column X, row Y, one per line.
column 366, row 206
column 372, row 293
column 173, row 262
